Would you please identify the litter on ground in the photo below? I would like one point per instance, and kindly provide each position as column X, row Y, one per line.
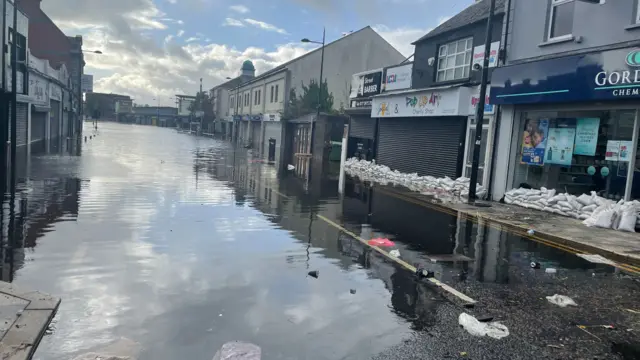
column 561, row 300
column 476, row 328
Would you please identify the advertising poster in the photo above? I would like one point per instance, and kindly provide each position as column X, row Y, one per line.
column 560, row 143
column 534, row 140
column 587, row 136
column 618, row 150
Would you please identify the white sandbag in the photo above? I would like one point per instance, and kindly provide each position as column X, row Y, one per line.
column 561, row 300
column 560, row 212
column 551, row 193
column 565, row 204
column 508, row 199
column 585, row 200
column 477, row 328
column 535, row 207
column 548, row 209
column 583, row 216
column 543, row 202
column 588, row 208
column 605, row 219
column 575, row 203
column 627, row 220
column 533, row 198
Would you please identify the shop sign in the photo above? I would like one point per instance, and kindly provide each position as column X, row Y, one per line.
column 489, row 109
column 478, row 54
column 398, row 78
column 365, row 85
column 272, row 117
column 608, row 75
column 55, row 92
column 358, row 104
column 38, row 89
column 534, row 141
column 440, row 102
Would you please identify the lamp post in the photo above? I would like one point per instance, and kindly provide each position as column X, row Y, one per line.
column 313, row 124
column 480, row 109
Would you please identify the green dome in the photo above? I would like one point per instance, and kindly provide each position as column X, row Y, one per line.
column 248, row 65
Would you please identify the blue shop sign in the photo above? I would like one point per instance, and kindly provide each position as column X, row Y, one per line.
column 609, row 75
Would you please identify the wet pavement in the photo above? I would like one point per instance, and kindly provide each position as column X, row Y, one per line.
column 164, row 245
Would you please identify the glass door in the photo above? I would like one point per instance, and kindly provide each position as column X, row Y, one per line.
column 485, row 149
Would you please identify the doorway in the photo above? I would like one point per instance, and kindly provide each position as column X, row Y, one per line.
column 486, row 145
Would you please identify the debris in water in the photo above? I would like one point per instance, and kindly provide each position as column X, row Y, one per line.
column 561, row 300
column 424, row 273
column 236, row 349
column 314, row 273
column 477, row 328
column 352, row 291
column 394, row 253
column 291, row 167
column 596, row 259
column 550, row 270
column 556, row 346
column 531, row 232
column 19, row 313
column 485, row 318
column 463, row 353
column 535, row 265
column 383, row 242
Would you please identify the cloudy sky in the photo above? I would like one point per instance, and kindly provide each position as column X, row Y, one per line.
column 158, row 48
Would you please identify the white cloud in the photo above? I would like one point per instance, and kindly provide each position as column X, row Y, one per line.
column 239, row 8
column 265, row 26
column 232, row 22
column 401, row 38
column 142, row 61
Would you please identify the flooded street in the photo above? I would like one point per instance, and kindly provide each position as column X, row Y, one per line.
column 165, row 246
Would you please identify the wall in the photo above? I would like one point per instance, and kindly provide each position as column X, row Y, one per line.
column 363, row 50
column 528, row 28
column 424, row 75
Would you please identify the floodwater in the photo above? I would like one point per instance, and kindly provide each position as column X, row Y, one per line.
column 165, row 245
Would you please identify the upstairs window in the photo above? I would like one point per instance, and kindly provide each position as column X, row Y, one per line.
column 560, row 19
column 638, row 13
column 454, row 60
column 271, row 101
column 276, row 97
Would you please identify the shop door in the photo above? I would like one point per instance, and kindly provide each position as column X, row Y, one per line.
column 272, row 130
column 485, row 151
column 427, row 146
column 55, row 120
column 301, row 149
column 256, row 136
column 38, row 126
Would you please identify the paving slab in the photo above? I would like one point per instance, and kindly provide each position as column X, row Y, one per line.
column 619, row 246
column 24, row 318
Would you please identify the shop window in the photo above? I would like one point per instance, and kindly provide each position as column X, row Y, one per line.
column 561, row 19
column 454, row 60
column 575, row 151
column 638, row 12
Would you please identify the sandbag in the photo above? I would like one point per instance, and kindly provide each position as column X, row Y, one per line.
column 585, row 200
column 627, row 220
column 605, row 219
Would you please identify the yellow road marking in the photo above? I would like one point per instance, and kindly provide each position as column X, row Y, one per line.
column 502, row 227
column 401, row 262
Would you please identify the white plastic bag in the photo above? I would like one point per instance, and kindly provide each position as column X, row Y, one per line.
column 561, row 300
column 477, row 328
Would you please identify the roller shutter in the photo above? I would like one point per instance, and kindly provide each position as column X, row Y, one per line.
column 362, row 127
column 272, row 130
column 428, row 146
column 54, row 120
column 65, row 124
column 21, row 124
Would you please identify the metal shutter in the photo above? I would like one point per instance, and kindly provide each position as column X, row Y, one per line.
column 273, row 129
column 428, row 146
column 38, row 126
column 65, row 124
column 21, row 124
column 55, row 120
column 362, row 127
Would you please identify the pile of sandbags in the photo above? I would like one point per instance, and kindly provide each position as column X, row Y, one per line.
column 593, row 209
column 381, row 174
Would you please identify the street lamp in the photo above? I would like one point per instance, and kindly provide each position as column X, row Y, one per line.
column 313, row 124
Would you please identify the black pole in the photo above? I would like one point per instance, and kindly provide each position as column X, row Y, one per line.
column 313, row 124
column 481, row 103
column 14, row 98
column 4, row 114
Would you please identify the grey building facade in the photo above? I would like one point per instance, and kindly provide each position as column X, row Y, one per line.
column 569, row 96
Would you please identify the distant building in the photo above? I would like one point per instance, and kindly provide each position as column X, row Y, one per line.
column 103, row 106
column 184, row 104
column 220, row 96
column 163, row 116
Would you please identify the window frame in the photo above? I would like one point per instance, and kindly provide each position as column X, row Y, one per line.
column 271, row 101
column 637, row 12
column 466, row 66
column 276, row 97
column 554, row 5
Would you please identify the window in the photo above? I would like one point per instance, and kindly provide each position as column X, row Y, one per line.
column 638, row 13
column 271, row 101
column 256, row 97
column 276, row 97
column 560, row 18
column 454, row 60
column 231, row 103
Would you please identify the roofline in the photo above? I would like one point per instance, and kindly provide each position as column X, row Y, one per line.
column 429, row 37
column 258, row 78
column 185, row 96
column 283, row 66
column 368, row 72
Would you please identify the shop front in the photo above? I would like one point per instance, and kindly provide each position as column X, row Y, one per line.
column 423, row 131
column 362, row 128
column 570, row 124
